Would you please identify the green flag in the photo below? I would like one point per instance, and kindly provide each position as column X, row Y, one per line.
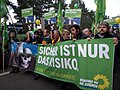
column 59, row 18
column 100, row 10
column 100, row 13
column 3, row 8
column 5, row 33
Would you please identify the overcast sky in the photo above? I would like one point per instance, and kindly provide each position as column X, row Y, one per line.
column 112, row 6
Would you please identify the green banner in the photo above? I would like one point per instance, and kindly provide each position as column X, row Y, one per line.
column 88, row 64
column 49, row 15
column 73, row 13
column 27, row 12
column 110, row 21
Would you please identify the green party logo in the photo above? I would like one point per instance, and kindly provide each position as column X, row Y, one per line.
column 103, row 81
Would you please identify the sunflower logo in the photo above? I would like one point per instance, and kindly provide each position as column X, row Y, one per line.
column 103, row 81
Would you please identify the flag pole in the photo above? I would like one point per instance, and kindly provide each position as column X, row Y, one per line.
column 59, row 16
column 3, row 12
column 3, row 50
column 3, row 42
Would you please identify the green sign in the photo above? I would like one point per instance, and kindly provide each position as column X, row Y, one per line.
column 88, row 64
column 73, row 13
column 110, row 21
column 49, row 15
column 27, row 12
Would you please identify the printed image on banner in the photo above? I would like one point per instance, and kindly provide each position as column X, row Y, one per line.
column 50, row 21
column 27, row 56
column 30, row 19
column 88, row 64
column 72, row 16
column 71, row 21
column 50, row 17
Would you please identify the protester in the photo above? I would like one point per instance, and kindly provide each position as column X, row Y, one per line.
column 88, row 33
column 37, row 39
column 47, row 39
column 76, row 32
column 104, row 32
column 28, row 38
column 12, row 46
column 56, row 37
column 39, row 29
column 65, row 35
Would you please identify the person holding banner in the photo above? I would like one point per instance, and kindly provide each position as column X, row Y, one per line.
column 56, row 37
column 37, row 39
column 76, row 32
column 104, row 32
column 88, row 33
column 47, row 39
column 65, row 35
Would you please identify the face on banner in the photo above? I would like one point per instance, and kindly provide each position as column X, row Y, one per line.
column 71, row 21
column 27, row 55
column 26, row 58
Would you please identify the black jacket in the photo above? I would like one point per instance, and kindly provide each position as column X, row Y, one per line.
column 105, row 35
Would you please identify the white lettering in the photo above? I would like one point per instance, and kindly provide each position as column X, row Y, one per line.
column 66, row 51
column 83, row 50
column 103, row 51
column 95, row 53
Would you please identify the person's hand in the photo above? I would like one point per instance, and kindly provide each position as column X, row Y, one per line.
column 115, row 40
column 88, row 38
column 27, row 34
column 74, row 39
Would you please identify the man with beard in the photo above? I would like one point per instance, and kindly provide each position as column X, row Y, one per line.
column 76, row 32
column 104, row 32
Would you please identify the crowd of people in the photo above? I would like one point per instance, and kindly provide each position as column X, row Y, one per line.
column 52, row 37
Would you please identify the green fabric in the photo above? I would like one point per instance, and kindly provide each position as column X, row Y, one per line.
column 5, row 33
column 73, row 13
column 100, row 14
column 3, row 8
column 100, row 10
column 27, row 12
column 59, row 18
column 88, row 64
column 49, row 15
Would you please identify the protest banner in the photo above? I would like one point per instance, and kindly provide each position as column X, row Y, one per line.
column 50, row 17
column 88, row 64
column 72, row 16
column 27, row 12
